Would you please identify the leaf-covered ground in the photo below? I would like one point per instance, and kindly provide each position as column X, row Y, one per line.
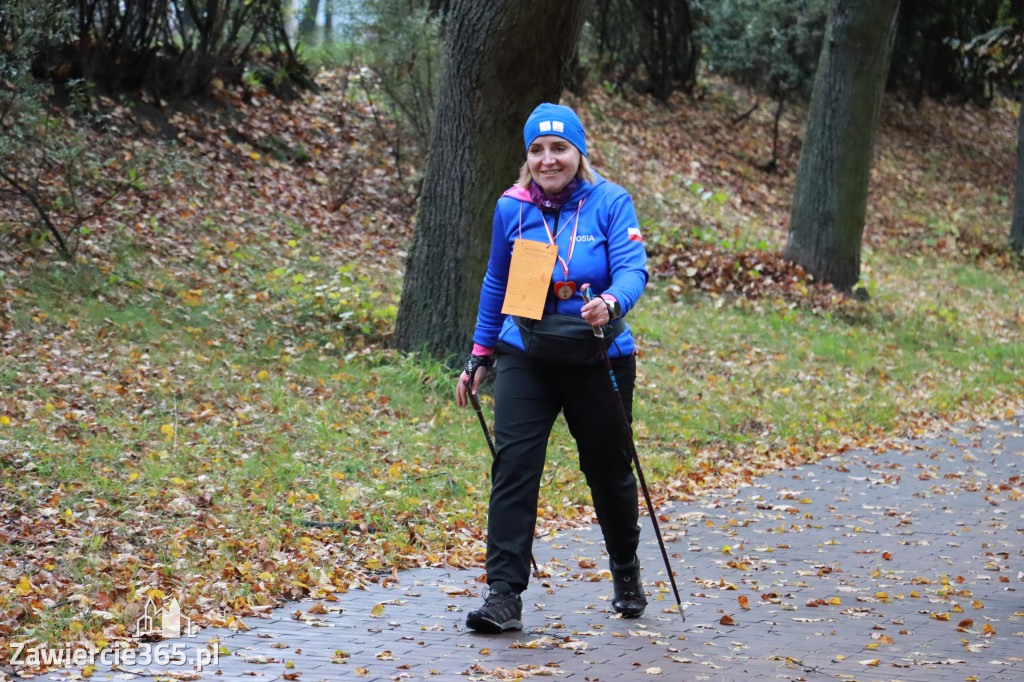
column 213, row 374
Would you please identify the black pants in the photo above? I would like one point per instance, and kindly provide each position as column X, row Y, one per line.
column 528, row 397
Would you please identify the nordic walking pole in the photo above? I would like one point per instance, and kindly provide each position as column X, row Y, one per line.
column 490, row 443
column 588, row 295
column 483, row 423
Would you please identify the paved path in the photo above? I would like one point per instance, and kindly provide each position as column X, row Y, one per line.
column 903, row 565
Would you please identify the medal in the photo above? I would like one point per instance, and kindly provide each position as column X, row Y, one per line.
column 565, row 290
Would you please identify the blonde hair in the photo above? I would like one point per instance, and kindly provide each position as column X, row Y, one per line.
column 584, row 173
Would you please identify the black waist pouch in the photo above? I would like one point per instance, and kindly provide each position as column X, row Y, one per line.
column 565, row 339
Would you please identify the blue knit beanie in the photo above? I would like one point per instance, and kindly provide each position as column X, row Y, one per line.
column 554, row 119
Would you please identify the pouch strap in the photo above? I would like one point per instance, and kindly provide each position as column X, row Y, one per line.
column 611, row 330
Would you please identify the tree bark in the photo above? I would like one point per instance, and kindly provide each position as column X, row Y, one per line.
column 830, row 200
column 504, row 57
column 1017, row 226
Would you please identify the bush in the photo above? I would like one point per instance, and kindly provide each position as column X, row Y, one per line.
column 928, row 58
column 769, row 45
column 648, row 43
column 401, row 45
column 171, row 48
column 60, row 167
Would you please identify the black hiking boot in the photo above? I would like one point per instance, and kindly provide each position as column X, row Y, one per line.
column 629, row 600
column 502, row 610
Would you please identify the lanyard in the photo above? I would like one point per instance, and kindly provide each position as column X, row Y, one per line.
column 572, row 242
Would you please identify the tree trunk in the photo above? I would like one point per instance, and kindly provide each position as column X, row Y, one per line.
column 504, row 57
column 1017, row 226
column 830, row 201
column 328, row 22
column 307, row 25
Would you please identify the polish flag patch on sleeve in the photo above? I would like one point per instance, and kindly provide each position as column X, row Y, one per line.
column 634, row 234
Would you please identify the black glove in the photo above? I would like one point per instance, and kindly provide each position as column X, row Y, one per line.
column 614, row 309
column 474, row 362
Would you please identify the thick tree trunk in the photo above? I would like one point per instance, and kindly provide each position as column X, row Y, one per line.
column 504, row 57
column 830, row 201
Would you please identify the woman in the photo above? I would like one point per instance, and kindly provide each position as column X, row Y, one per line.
column 559, row 200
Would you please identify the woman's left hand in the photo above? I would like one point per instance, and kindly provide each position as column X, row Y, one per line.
column 596, row 312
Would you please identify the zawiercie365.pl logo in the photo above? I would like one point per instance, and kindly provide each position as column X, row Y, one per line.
column 165, row 622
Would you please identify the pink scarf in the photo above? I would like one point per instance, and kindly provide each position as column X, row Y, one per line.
column 553, row 202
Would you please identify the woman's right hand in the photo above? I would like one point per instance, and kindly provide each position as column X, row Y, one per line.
column 462, row 390
column 471, row 378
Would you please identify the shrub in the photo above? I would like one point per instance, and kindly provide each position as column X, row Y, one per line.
column 401, row 43
column 649, row 43
column 60, row 167
column 770, row 45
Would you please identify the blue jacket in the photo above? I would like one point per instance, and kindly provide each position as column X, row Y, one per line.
column 609, row 255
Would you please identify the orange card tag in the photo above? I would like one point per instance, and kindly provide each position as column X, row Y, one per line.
column 529, row 278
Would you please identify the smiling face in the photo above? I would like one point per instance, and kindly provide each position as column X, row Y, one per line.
column 553, row 162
